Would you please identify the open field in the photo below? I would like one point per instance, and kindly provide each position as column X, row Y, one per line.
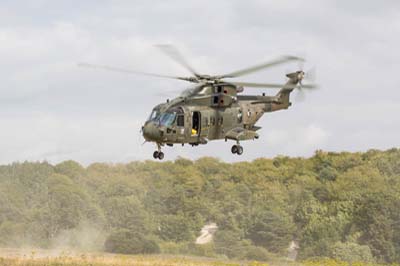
column 11, row 257
column 154, row 260
column 29, row 257
column 116, row 261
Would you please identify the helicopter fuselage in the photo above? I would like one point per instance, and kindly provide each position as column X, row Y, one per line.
column 214, row 112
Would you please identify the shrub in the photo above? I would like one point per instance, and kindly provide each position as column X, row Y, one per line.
column 129, row 242
column 171, row 247
column 327, row 173
column 351, row 252
column 205, row 250
column 230, row 244
column 257, row 253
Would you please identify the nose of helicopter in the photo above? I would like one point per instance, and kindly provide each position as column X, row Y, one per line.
column 151, row 132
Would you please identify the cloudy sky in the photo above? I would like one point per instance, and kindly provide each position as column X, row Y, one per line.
column 52, row 110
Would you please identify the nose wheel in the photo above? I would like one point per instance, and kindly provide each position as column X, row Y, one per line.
column 237, row 149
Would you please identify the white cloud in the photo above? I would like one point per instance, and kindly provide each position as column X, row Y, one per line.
column 41, row 136
column 298, row 141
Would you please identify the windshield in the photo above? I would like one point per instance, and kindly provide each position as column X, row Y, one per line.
column 167, row 119
column 154, row 115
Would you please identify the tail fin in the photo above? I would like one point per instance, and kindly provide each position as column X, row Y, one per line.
column 284, row 94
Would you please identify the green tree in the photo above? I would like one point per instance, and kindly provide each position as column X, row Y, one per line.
column 351, row 252
column 272, row 230
column 375, row 217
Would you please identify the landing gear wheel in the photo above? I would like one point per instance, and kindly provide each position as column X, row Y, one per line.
column 160, row 155
column 239, row 150
column 156, row 154
column 234, row 149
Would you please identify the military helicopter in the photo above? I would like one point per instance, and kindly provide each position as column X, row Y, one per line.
column 213, row 108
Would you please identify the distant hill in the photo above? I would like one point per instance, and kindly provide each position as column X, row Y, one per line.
column 339, row 205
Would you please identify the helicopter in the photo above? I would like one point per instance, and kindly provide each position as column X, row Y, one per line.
column 213, row 109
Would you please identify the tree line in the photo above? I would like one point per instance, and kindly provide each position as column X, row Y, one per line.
column 343, row 205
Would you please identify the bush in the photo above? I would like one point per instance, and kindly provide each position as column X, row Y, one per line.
column 174, row 248
column 351, row 252
column 175, row 228
column 257, row 253
column 230, row 244
column 128, row 242
column 327, row 173
column 205, row 250
column 272, row 230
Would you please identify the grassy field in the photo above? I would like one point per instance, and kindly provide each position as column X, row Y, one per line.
column 116, row 261
column 11, row 257
column 21, row 257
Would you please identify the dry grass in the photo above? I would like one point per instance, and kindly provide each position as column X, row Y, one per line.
column 70, row 258
column 20, row 257
column 117, row 261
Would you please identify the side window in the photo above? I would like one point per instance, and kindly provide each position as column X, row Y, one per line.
column 212, row 120
column 215, row 99
column 180, row 121
column 240, row 116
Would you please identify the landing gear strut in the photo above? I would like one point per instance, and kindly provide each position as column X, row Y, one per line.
column 237, row 149
column 158, row 154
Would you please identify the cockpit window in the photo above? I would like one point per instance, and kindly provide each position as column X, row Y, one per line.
column 180, row 121
column 154, row 115
column 167, row 119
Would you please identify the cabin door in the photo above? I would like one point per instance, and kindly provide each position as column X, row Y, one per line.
column 205, row 124
column 196, row 124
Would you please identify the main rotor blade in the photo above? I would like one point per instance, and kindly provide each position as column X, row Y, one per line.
column 272, row 85
column 259, row 67
column 175, row 55
column 122, row 70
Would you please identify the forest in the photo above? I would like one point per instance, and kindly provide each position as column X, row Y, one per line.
column 339, row 205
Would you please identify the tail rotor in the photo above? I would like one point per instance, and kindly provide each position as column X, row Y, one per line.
column 309, row 75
